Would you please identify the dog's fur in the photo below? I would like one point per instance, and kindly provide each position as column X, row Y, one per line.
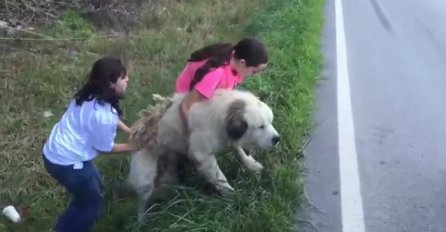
column 232, row 118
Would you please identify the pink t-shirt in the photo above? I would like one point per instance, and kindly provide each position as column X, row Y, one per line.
column 222, row 77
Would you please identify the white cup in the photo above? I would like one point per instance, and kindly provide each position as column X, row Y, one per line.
column 11, row 213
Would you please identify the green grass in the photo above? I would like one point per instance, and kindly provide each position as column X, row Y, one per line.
column 47, row 76
column 292, row 29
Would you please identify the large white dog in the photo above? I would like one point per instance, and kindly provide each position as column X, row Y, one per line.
column 231, row 118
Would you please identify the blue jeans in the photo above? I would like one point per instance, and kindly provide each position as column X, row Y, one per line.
column 85, row 186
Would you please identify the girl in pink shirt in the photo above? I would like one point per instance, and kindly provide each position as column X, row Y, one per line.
column 220, row 65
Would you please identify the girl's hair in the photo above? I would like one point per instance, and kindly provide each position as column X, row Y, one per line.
column 251, row 50
column 104, row 72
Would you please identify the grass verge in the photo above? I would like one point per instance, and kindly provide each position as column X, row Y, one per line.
column 292, row 29
column 39, row 79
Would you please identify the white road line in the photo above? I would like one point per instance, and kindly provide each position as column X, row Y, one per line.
column 351, row 201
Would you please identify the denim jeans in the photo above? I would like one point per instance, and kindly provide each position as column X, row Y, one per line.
column 85, row 187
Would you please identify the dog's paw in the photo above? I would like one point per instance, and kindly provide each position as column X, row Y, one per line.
column 258, row 176
column 254, row 166
column 225, row 188
column 257, row 167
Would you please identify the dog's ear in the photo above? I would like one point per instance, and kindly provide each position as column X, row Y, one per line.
column 236, row 124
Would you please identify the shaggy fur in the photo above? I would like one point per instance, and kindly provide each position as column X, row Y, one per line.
column 144, row 130
column 231, row 118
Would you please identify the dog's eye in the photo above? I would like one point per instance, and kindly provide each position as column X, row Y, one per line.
column 262, row 127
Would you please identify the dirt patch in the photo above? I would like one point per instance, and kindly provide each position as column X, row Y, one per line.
column 104, row 14
column 117, row 15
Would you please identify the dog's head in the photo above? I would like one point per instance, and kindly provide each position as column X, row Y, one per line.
column 250, row 123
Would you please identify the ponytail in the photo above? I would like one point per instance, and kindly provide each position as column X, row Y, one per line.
column 249, row 49
column 210, row 51
column 217, row 55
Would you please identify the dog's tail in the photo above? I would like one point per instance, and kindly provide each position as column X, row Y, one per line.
column 145, row 129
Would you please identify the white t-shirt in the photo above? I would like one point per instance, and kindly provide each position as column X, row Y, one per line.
column 81, row 133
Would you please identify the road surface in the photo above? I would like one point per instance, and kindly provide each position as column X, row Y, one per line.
column 377, row 160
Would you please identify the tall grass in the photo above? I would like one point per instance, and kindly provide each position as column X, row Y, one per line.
column 48, row 72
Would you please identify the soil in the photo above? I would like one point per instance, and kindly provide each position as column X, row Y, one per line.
column 104, row 14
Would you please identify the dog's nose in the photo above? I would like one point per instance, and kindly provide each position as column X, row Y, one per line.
column 276, row 139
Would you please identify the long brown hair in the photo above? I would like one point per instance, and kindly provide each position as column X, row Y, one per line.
column 219, row 54
column 104, row 71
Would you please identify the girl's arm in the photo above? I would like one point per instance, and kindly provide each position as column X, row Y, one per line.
column 193, row 97
column 190, row 99
column 123, row 127
column 203, row 90
column 123, row 147
column 103, row 136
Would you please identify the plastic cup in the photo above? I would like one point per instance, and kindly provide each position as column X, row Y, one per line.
column 11, row 213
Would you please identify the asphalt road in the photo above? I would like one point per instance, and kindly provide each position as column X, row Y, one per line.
column 395, row 57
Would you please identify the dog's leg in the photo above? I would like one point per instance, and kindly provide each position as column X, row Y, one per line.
column 252, row 164
column 183, row 167
column 144, row 194
column 208, row 167
column 201, row 147
column 143, row 170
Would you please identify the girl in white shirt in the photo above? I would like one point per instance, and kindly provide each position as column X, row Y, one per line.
column 86, row 129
